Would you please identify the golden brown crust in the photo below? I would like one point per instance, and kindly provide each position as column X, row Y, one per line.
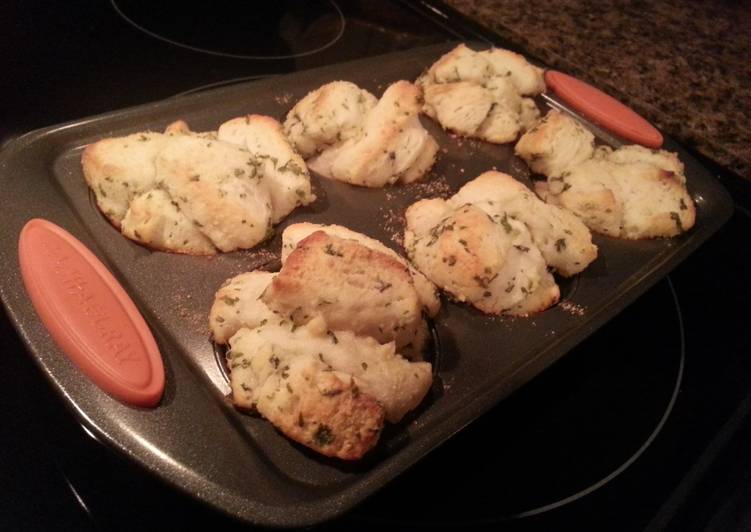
column 426, row 291
column 488, row 261
column 325, row 411
column 118, row 169
column 307, row 379
column 631, row 192
column 492, row 242
column 313, row 348
column 188, row 192
column 353, row 287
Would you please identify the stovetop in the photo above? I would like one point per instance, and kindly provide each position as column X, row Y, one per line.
column 644, row 425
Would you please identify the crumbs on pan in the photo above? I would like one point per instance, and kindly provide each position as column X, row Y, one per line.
column 260, row 257
column 251, row 259
column 188, row 309
column 393, row 224
column 284, row 98
column 257, row 259
column 572, row 308
column 436, row 187
column 519, row 168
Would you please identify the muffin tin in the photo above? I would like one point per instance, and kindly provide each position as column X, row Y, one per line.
column 194, row 439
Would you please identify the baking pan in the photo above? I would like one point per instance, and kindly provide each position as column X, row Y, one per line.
column 238, row 463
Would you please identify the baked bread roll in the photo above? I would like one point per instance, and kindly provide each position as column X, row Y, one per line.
column 396, row 383
column 631, row 192
column 526, row 78
column 492, row 243
column 352, row 287
column 208, row 181
column 276, row 372
column 119, row 169
column 493, row 265
column 346, row 135
column 482, row 94
column 562, row 238
column 318, row 348
column 556, row 143
column 276, row 162
column 634, row 153
column 194, row 193
column 238, row 304
column 426, row 290
column 327, row 116
column 170, row 230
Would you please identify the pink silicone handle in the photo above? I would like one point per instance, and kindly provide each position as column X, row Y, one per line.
column 603, row 109
column 89, row 315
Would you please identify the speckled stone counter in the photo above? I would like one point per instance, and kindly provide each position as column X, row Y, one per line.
column 683, row 64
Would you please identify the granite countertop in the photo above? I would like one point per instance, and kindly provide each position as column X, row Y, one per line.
column 683, row 64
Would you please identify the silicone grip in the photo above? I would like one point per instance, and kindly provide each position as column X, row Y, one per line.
column 602, row 109
column 89, row 315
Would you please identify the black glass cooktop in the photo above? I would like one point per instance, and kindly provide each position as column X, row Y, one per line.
column 643, row 426
column 284, row 29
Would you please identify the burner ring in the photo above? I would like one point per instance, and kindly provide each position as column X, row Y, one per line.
column 340, row 15
column 606, row 476
column 658, row 428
